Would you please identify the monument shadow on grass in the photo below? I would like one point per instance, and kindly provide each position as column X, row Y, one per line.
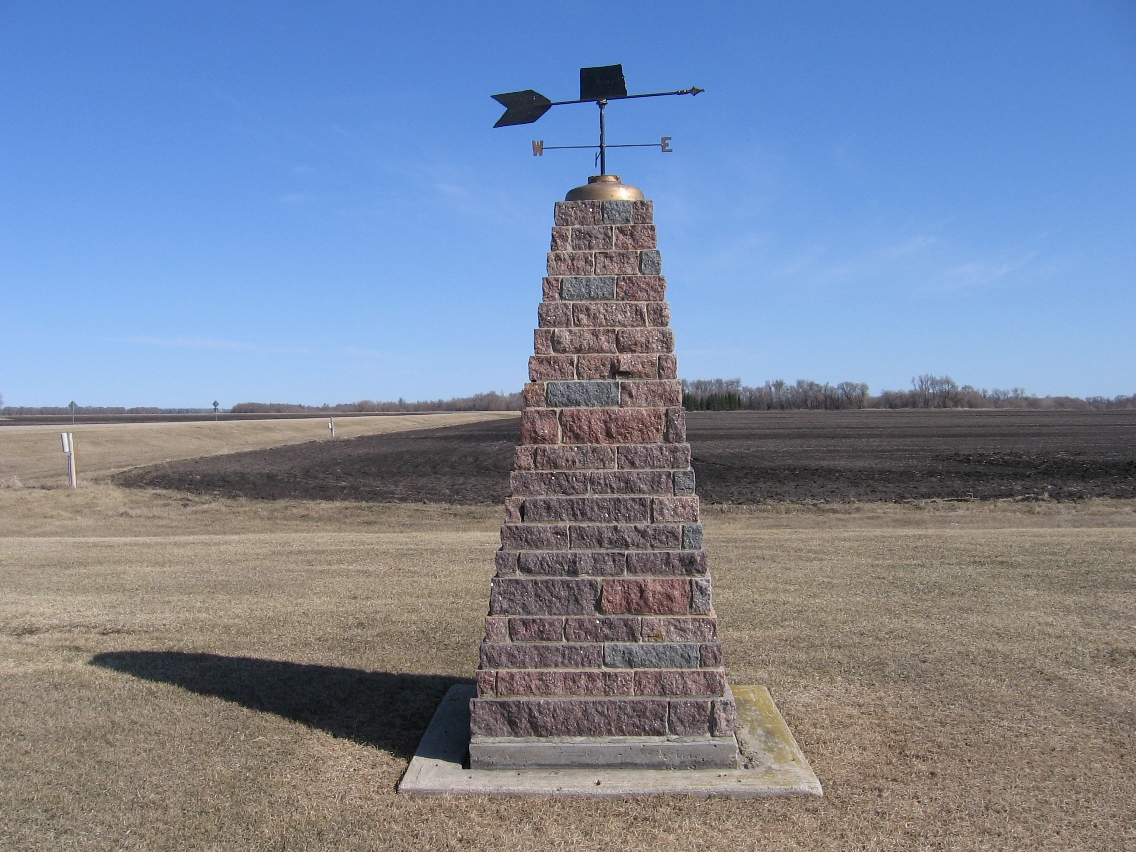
column 379, row 709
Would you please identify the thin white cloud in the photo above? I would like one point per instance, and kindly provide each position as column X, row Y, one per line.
column 215, row 345
column 816, row 265
column 363, row 356
column 978, row 273
column 921, row 263
column 910, row 246
column 461, row 192
column 191, row 343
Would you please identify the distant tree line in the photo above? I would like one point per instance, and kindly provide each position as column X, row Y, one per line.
column 927, row 391
column 491, row 401
column 779, row 395
column 16, row 410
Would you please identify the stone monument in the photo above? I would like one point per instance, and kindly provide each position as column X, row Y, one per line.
column 601, row 644
column 601, row 671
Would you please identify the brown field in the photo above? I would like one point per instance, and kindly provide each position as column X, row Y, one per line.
column 741, row 457
column 184, row 671
column 31, row 455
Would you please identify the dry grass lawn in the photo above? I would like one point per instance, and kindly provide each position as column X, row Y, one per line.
column 31, row 455
column 182, row 673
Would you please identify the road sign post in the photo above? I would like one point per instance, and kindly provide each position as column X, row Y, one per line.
column 68, row 441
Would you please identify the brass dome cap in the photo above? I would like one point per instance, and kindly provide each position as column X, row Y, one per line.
column 604, row 188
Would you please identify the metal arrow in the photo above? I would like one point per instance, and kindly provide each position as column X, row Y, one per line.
column 598, row 85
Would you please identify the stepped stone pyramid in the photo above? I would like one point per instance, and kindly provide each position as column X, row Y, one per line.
column 601, row 644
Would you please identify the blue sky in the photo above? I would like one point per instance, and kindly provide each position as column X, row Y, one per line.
column 307, row 202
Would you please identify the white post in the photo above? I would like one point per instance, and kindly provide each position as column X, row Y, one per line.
column 331, row 425
column 68, row 441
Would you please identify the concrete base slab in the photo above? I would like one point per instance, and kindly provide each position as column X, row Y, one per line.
column 771, row 762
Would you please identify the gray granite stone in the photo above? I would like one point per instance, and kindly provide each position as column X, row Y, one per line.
column 650, row 262
column 706, row 752
column 582, row 394
column 617, row 212
column 700, row 600
column 692, row 536
column 587, row 287
column 684, row 482
column 650, row 655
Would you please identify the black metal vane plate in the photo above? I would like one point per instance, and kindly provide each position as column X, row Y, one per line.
column 599, row 84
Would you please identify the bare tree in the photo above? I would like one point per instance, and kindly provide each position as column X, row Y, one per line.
column 853, row 393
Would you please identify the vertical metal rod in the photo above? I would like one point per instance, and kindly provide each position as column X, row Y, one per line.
column 603, row 139
column 72, row 474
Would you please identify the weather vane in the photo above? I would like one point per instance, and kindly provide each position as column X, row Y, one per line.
column 597, row 85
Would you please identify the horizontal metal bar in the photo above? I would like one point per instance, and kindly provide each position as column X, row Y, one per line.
column 571, row 147
column 694, row 90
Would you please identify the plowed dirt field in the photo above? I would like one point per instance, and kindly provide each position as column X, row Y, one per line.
column 740, row 457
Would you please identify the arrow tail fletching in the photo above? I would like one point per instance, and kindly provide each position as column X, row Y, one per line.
column 521, row 107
